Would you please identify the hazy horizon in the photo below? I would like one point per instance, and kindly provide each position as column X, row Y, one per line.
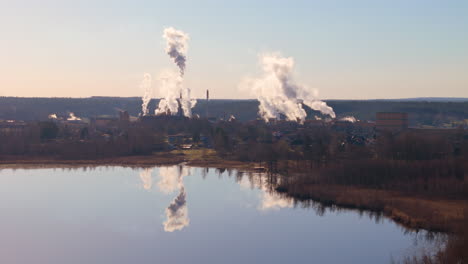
column 358, row 50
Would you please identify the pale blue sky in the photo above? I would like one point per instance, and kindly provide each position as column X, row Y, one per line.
column 346, row 49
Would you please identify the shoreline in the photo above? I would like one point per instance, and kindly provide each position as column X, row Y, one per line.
column 412, row 212
column 160, row 159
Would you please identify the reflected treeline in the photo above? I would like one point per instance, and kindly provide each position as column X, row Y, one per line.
column 170, row 180
column 272, row 197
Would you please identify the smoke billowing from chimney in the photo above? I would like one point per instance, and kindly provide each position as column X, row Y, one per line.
column 176, row 46
column 170, row 85
column 72, row 117
column 146, row 87
column 350, row 119
column 278, row 94
column 170, row 82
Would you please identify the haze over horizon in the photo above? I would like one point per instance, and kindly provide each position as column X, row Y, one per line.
column 358, row 50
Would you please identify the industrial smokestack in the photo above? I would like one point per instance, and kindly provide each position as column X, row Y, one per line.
column 207, row 99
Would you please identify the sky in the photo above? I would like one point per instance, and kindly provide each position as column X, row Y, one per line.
column 360, row 49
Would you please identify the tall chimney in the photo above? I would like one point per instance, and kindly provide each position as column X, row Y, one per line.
column 207, row 99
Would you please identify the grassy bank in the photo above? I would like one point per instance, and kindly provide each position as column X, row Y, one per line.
column 196, row 157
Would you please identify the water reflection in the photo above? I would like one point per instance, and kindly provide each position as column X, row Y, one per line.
column 170, row 180
column 100, row 215
column 177, row 213
column 269, row 198
column 147, row 180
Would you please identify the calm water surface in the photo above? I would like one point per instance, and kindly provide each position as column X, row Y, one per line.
column 179, row 215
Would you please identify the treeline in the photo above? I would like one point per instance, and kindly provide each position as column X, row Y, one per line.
column 47, row 139
column 420, row 112
column 86, row 141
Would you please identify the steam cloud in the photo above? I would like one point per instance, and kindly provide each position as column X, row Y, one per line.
column 278, row 94
column 350, row 119
column 176, row 47
column 146, row 87
column 171, row 82
column 72, row 117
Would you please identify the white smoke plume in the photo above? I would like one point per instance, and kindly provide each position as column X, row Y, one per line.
column 145, row 176
column 52, row 116
column 72, row 117
column 177, row 46
column 232, row 118
column 187, row 103
column 146, row 87
column 278, row 94
column 170, row 82
column 350, row 119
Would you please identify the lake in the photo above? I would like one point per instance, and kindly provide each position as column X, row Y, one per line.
column 179, row 214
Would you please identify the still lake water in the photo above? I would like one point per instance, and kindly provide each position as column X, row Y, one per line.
column 179, row 214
